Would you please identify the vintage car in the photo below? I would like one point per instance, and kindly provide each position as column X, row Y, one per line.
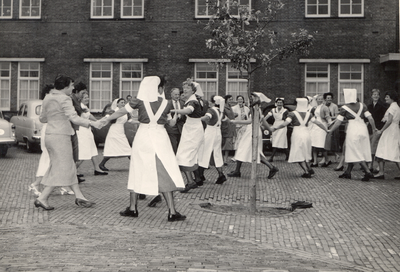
column 7, row 137
column 130, row 127
column 27, row 124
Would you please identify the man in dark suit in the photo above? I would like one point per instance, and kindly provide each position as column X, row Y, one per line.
column 76, row 96
column 175, row 132
column 377, row 109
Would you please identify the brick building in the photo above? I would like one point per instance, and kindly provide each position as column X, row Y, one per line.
column 111, row 45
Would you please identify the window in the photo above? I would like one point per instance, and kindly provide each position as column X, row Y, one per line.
column 28, row 81
column 132, row 8
column 207, row 76
column 5, row 72
column 102, row 9
column 100, row 85
column 5, row 9
column 351, row 77
column 317, row 78
column 238, row 5
column 351, row 8
column 205, row 8
column 131, row 75
column 29, row 9
column 318, row 8
column 236, row 83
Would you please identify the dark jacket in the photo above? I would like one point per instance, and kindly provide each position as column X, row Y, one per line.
column 177, row 129
column 78, row 109
column 377, row 112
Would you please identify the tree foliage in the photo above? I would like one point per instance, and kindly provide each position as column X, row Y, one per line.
column 247, row 35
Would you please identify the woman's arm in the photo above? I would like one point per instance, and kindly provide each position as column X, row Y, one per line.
column 69, row 111
column 387, row 124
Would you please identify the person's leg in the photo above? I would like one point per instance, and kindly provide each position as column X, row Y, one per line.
column 236, row 173
column 95, row 161
column 154, row 201
column 368, row 175
column 103, row 162
column 44, row 196
column 306, row 169
column 132, row 209
column 315, row 157
column 221, row 177
column 271, row 159
column 35, row 186
column 173, row 215
column 381, row 168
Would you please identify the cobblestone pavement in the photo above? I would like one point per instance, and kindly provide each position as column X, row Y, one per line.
column 353, row 225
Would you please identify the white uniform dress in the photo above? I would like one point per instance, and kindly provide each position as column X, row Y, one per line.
column 318, row 135
column 243, row 113
column 87, row 146
column 117, row 144
column 300, row 149
column 153, row 168
column 279, row 137
column 212, row 143
column 44, row 161
column 244, row 148
column 192, row 136
column 358, row 147
column 389, row 145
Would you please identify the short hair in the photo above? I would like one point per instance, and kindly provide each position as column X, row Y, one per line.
column 79, row 87
column 128, row 96
column 393, row 95
column 239, row 96
column 61, row 82
column 119, row 100
column 176, row 89
column 226, row 97
column 376, row 91
column 46, row 89
column 328, row 94
column 84, row 92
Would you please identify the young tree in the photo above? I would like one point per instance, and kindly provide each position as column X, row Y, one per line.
column 244, row 37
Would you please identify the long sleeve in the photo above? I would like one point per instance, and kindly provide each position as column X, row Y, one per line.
column 70, row 112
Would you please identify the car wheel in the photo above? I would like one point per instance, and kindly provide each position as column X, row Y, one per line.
column 3, row 150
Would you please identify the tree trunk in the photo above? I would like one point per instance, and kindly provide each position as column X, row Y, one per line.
column 255, row 122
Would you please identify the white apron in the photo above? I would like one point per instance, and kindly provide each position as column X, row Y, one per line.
column 358, row 147
column 318, row 135
column 117, row 144
column 279, row 136
column 152, row 140
column 44, row 161
column 191, row 140
column 244, row 150
column 388, row 146
column 300, row 149
column 212, row 144
column 87, row 146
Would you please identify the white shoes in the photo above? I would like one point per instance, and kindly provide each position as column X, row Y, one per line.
column 64, row 191
column 34, row 189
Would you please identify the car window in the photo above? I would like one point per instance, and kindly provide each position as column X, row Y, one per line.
column 38, row 109
column 25, row 113
column 21, row 109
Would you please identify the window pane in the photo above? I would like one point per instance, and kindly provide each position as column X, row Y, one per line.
column 107, row 11
column 323, row 10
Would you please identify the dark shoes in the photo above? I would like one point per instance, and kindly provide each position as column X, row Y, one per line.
column 234, row 174
column 155, row 200
column 84, row 203
column 326, row 164
column 306, row 175
column 272, row 172
column 80, row 179
column 40, row 204
column 80, row 175
column 369, row 176
column 129, row 213
column 221, row 179
column 103, row 168
column 199, row 183
column 271, row 159
column 314, row 165
column 311, row 171
column 97, row 173
column 338, row 169
column 187, row 189
column 345, row 176
column 176, row 217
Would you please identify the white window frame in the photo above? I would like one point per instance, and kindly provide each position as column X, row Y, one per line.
column 208, row 15
column 316, row 79
column 29, row 79
column 235, row 80
column 132, row 92
column 360, row 93
column 131, row 16
column 2, row 10
column 318, row 15
column 30, row 7
column 106, row 99
column 9, row 85
column 92, row 16
column 351, row 8
column 207, row 94
column 237, row 15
